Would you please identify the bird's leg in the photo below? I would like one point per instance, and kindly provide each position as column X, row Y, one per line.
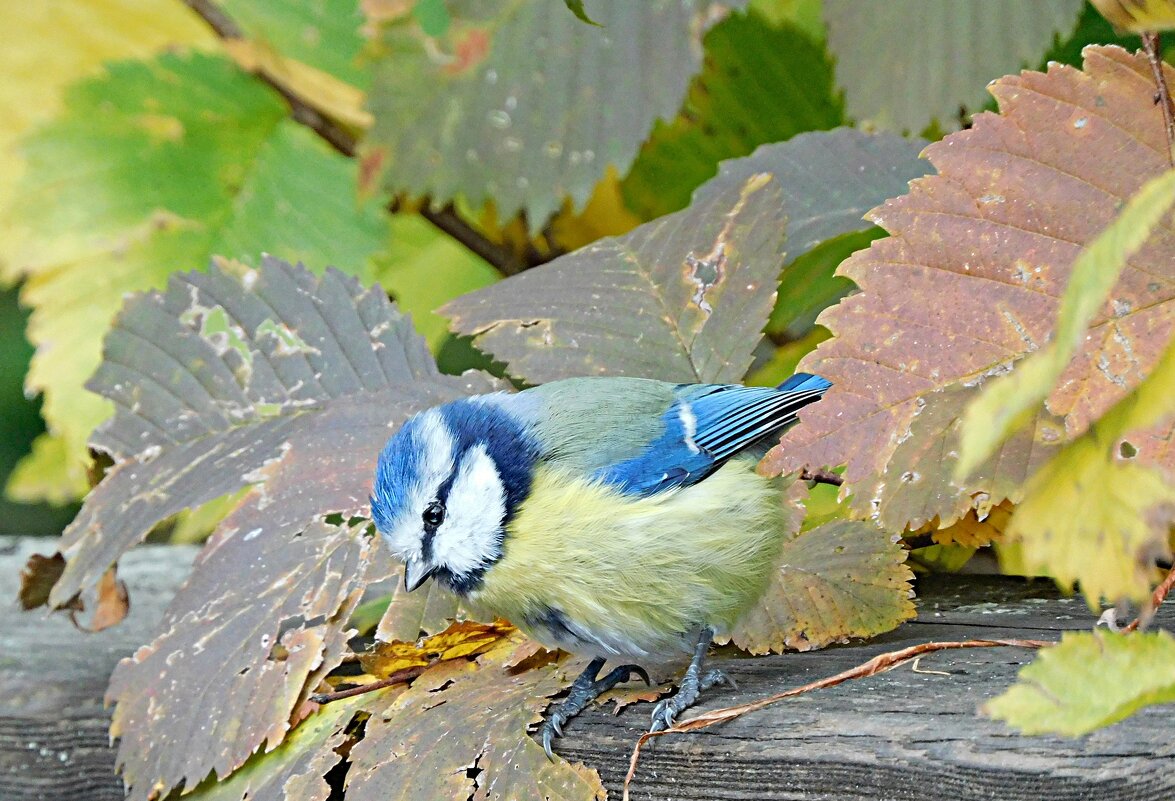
column 692, row 683
column 586, row 689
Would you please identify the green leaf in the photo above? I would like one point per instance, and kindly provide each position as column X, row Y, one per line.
column 1089, row 680
column 576, row 8
column 1008, row 401
column 727, row 112
column 432, row 16
column 905, row 63
column 324, row 34
column 522, row 104
column 158, row 166
column 48, row 46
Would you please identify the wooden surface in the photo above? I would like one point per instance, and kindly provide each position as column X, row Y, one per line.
column 904, row 734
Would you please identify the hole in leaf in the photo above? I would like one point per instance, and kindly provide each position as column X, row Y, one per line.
column 1127, row 450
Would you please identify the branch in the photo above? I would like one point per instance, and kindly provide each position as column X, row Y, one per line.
column 1150, row 43
column 399, row 677
column 447, row 219
column 821, row 477
column 878, row 664
column 1157, row 598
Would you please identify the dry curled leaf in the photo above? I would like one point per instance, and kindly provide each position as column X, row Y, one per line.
column 466, row 638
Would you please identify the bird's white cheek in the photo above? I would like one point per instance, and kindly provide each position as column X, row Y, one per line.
column 403, row 541
column 470, row 537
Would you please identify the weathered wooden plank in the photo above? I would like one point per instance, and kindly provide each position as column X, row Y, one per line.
column 900, row 735
column 54, row 744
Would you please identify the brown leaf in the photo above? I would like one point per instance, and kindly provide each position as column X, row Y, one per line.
column 253, row 629
column 463, row 639
column 682, row 298
column 293, row 770
column 271, row 378
column 37, row 578
column 970, row 281
column 461, row 731
column 111, row 606
column 621, row 697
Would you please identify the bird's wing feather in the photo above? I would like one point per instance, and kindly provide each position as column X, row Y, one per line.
column 705, row 426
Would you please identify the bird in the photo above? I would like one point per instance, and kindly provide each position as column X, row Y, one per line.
column 620, row 518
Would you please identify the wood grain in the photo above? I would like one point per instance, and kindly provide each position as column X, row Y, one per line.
column 906, row 734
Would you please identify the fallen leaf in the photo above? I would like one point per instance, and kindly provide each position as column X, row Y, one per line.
column 462, row 639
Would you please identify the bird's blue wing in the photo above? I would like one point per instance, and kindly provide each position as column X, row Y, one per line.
column 707, row 424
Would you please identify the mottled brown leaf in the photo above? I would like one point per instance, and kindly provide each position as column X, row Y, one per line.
column 839, row 580
column 239, row 648
column 237, row 377
column 970, row 281
column 463, row 718
column 294, row 770
column 409, row 614
column 682, row 298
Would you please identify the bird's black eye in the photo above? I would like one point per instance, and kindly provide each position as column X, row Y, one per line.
column 434, row 514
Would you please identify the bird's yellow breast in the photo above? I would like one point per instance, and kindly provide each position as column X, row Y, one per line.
column 589, row 569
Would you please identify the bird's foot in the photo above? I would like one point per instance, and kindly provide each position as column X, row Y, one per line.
column 692, row 683
column 586, row 689
column 666, row 712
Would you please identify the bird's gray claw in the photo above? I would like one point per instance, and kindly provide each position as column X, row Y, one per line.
column 557, row 725
column 664, row 715
column 548, row 736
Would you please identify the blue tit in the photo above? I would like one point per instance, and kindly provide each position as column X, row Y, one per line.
column 612, row 517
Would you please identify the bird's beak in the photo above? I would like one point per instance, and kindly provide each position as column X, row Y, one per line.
column 416, row 573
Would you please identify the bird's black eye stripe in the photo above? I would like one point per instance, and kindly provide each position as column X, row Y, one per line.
column 434, row 515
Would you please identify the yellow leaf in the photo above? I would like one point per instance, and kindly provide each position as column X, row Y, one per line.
column 49, row 45
column 1096, row 515
column 462, row 639
column 335, row 98
column 1138, row 16
column 1089, row 680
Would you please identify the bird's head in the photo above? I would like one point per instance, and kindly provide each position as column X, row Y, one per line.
column 445, row 486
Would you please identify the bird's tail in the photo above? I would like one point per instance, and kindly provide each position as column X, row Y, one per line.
column 802, row 382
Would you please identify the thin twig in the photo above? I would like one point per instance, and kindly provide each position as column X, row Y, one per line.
column 1157, row 598
column 446, row 219
column 1150, row 43
column 821, row 477
column 399, row 677
column 878, row 664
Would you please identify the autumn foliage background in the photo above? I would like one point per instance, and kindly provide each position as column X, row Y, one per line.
column 542, row 194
